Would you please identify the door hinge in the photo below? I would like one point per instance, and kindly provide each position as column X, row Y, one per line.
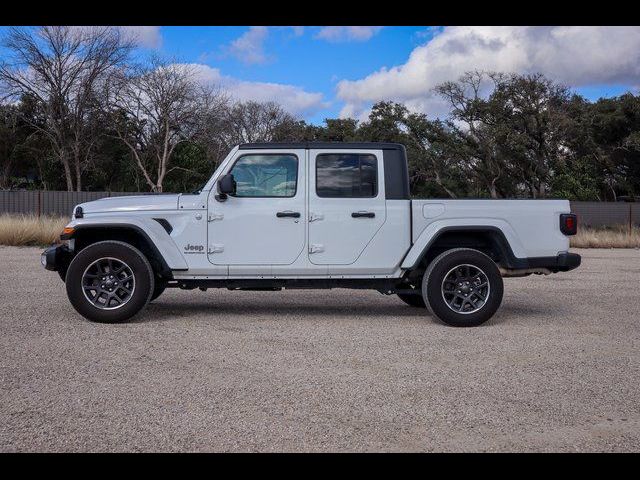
column 315, row 216
column 215, row 249
column 215, row 216
column 316, row 248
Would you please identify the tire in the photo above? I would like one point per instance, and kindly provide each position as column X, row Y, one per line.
column 131, row 271
column 455, row 283
column 158, row 289
column 412, row 300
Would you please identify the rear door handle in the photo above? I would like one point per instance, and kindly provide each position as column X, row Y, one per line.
column 288, row 214
column 363, row 214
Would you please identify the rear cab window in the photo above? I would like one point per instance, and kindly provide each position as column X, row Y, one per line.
column 346, row 175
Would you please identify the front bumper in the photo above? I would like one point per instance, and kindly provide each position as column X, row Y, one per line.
column 56, row 257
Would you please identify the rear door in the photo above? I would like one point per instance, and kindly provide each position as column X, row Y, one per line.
column 264, row 222
column 346, row 204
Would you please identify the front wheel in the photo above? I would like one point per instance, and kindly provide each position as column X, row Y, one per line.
column 158, row 289
column 412, row 300
column 109, row 282
column 463, row 287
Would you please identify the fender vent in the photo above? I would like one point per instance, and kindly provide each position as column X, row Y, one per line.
column 165, row 224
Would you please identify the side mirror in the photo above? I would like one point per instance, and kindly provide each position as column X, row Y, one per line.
column 226, row 186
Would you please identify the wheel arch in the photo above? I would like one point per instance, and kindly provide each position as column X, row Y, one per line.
column 88, row 234
column 489, row 240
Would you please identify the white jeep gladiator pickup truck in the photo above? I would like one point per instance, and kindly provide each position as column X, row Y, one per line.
column 309, row 215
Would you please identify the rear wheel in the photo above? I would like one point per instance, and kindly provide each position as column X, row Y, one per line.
column 109, row 282
column 462, row 287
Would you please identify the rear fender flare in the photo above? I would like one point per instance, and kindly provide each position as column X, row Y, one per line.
column 431, row 233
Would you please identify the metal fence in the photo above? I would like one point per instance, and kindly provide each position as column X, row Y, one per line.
column 46, row 202
column 42, row 202
column 607, row 214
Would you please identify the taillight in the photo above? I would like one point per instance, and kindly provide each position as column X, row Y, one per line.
column 568, row 223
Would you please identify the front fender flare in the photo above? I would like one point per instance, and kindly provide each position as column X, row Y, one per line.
column 151, row 230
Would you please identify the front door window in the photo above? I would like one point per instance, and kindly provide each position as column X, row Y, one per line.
column 266, row 175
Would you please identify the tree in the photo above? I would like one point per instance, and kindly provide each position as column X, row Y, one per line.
column 155, row 108
column 248, row 122
column 429, row 162
column 577, row 173
column 13, row 134
column 529, row 115
column 509, row 130
column 470, row 122
column 339, row 130
column 61, row 68
column 614, row 126
column 434, row 159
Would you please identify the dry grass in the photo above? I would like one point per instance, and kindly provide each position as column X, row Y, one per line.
column 606, row 238
column 22, row 230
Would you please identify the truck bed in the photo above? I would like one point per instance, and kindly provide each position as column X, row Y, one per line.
column 530, row 226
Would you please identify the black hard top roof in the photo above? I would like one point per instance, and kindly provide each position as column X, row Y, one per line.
column 328, row 145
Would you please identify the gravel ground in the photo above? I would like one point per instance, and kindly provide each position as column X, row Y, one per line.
column 557, row 368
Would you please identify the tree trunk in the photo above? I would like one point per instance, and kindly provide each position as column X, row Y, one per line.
column 134, row 152
column 493, row 191
column 78, row 176
column 6, row 171
column 67, row 172
column 449, row 192
column 4, row 179
column 533, row 191
column 441, row 183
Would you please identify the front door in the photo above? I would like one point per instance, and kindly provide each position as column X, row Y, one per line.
column 264, row 222
column 346, row 204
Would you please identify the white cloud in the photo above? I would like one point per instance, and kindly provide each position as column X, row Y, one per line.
column 341, row 34
column 576, row 56
column 293, row 99
column 144, row 36
column 249, row 47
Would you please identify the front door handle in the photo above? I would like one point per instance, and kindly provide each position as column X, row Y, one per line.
column 288, row 214
column 363, row 214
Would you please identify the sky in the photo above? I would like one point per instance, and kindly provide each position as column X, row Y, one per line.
column 328, row 72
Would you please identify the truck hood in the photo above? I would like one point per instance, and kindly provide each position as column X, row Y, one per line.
column 135, row 203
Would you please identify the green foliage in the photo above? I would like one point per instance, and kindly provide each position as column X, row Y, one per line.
column 191, row 168
column 576, row 180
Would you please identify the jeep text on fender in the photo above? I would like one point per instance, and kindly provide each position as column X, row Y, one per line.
column 194, row 249
column 309, row 215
